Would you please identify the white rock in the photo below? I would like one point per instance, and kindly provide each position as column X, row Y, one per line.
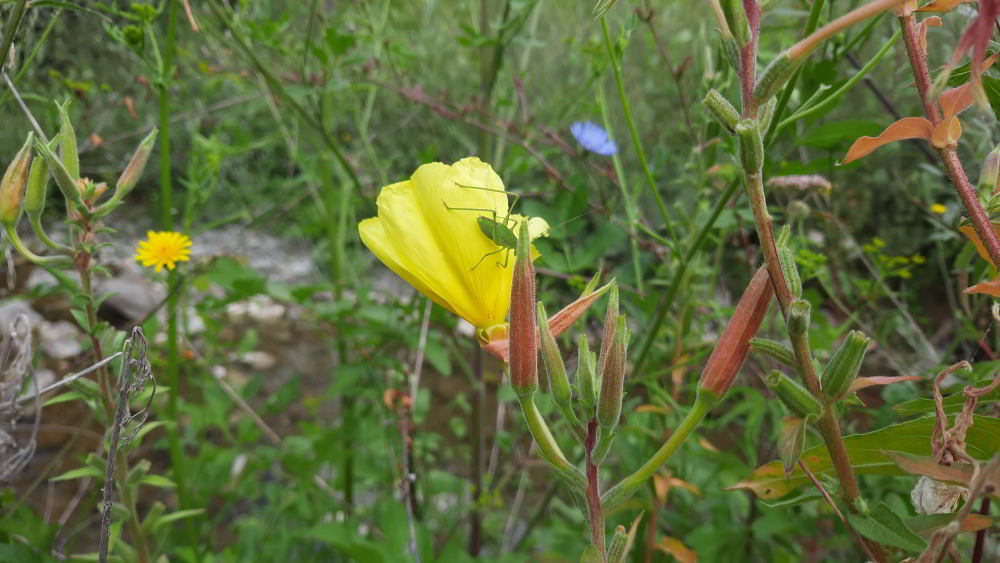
column 133, row 296
column 60, row 340
column 10, row 309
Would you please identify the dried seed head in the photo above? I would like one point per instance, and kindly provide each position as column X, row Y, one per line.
column 731, row 349
column 523, row 335
column 15, row 179
column 609, row 405
column 552, row 359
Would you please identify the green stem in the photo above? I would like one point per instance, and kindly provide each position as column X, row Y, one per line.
column 10, row 29
column 786, row 94
column 616, row 67
column 574, row 422
column 664, row 306
column 19, row 246
column 614, row 496
column 547, row 446
column 36, row 225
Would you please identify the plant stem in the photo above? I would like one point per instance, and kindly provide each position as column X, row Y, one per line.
column 806, row 46
column 786, row 94
column 547, row 446
column 616, row 495
column 949, row 155
column 650, row 183
column 594, row 514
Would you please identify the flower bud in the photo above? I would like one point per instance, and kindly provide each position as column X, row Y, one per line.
column 988, row 177
column 721, row 110
column 795, row 397
column 765, row 114
column 14, row 181
column 736, row 18
column 130, row 176
column 609, row 405
column 38, row 185
column 610, row 318
column 776, row 350
column 845, row 365
column 619, row 545
column 67, row 142
column 774, row 77
column 751, row 146
column 732, row 48
column 790, row 270
column 67, row 184
column 552, row 359
column 731, row 350
column 586, row 377
column 798, row 317
column 523, row 335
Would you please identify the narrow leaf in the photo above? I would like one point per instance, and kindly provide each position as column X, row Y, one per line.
column 906, row 128
column 885, row 526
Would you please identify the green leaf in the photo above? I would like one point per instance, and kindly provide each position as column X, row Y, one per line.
column 867, row 454
column 591, row 555
column 831, row 135
column 79, row 473
column 157, row 481
column 885, row 526
column 178, row 515
column 81, row 319
column 791, row 440
column 62, row 398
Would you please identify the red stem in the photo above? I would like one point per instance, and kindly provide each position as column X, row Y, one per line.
column 594, row 512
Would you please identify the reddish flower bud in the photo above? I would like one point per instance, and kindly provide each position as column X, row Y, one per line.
column 523, row 331
column 610, row 320
column 731, row 349
column 609, row 405
column 14, row 181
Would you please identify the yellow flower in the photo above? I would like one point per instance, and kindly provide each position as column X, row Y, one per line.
column 163, row 248
column 439, row 251
column 939, row 209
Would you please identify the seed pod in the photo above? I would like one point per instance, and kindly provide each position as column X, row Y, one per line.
column 67, row 142
column 619, row 542
column 523, row 335
column 734, row 344
column 790, row 270
column 38, row 185
column 751, row 146
column 721, row 110
column 798, row 317
column 774, row 77
column 795, row 397
column 776, row 350
column 845, row 364
column 609, row 405
column 586, row 377
column 130, row 176
column 765, row 114
column 736, row 18
column 552, row 359
column 15, row 178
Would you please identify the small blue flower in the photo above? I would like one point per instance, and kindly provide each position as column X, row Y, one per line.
column 593, row 137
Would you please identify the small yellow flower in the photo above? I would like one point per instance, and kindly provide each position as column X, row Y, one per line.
column 878, row 242
column 439, row 251
column 918, row 259
column 939, row 209
column 163, row 248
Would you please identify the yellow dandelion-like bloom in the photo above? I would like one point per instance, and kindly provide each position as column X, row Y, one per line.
column 163, row 248
column 426, row 232
column 939, row 209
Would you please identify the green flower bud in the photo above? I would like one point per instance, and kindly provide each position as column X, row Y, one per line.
column 751, row 146
column 609, row 405
column 774, row 77
column 776, row 350
column 732, row 48
column 721, row 109
column 798, row 317
column 67, row 142
column 765, row 114
column 610, row 318
column 38, row 185
column 790, row 270
column 988, row 177
column 15, row 178
column 130, row 176
column 523, row 332
column 67, row 184
column 617, row 550
column 795, row 397
column 736, row 18
column 845, row 364
column 552, row 359
column 586, row 377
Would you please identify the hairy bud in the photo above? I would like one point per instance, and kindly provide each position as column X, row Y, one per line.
column 67, row 142
column 619, row 545
column 14, row 181
column 790, row 270
column 586, row 377
column 736, row 18
column 751, row 146
column 609, row 405
column 721, row 110
column 38, row 185
column 734, row 344
column 795, row 397
column 552, row 359
column 774, row 77
column 776, row 350
column 798, row 317
column 765, row 114
column 610, row 318
column 130, row 176
column 523, row 335
column 845, row 365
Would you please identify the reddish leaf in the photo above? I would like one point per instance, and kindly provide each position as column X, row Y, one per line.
column 991, row 287
column 862, row 382
column 923, row 25
column 956, row 100
column 946, row 133
column 960, row 473
column 906, row 128
column 970, row 232
column 681, row 552
column 942, row 5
